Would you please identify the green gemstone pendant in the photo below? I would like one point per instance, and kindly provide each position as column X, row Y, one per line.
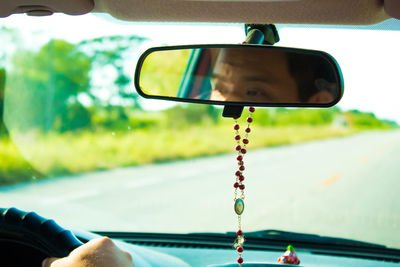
column 239, row 206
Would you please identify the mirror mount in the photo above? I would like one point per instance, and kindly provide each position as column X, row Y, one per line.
column 231, row 111
column 255, row 34
column 269, row 31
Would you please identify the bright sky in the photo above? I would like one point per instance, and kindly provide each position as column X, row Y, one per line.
column 369, row 59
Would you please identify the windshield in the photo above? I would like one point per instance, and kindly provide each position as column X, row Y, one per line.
column 77, row 144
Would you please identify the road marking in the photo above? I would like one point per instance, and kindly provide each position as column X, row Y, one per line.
column 331, row 180
column 143, row 183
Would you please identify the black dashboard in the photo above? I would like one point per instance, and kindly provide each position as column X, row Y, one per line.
column 166, row 254
column 182, row 254
column 27, row 238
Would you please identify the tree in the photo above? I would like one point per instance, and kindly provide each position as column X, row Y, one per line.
column 45, row 86
column 7, row 36
column 113, row 55
column 3, row 130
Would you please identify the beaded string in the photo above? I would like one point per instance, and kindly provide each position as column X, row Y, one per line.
column 239, row 185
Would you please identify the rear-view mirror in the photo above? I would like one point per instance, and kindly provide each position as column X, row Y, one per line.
column 240, row 75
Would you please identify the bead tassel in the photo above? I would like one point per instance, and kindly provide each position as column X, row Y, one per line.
column 238, row 185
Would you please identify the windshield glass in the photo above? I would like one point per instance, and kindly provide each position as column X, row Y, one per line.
column 77, row 144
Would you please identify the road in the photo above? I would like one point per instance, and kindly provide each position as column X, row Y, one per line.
column 345, row 187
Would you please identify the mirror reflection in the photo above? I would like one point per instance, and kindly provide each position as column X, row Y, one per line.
column 241, row 74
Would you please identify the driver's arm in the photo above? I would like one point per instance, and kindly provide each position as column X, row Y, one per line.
column 100, row 252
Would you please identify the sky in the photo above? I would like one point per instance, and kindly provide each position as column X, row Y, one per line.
column 369, row 59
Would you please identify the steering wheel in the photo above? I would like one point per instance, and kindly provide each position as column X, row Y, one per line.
column 27, row 238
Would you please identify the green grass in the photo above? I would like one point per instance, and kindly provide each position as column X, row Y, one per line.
column 62, row 154
column 13, row 167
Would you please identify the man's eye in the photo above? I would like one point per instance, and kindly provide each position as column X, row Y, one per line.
column 253, row 92
column 221, row 90
column 258, row 94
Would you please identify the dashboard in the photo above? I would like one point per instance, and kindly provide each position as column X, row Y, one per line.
column 165, row 255
column 27, row 238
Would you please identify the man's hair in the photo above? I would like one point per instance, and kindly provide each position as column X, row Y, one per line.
column 306, row 69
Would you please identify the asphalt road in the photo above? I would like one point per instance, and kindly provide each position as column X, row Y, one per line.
column 346, row 187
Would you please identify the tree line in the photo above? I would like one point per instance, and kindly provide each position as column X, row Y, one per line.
column 64, row 87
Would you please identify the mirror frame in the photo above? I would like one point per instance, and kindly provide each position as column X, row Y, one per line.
column 326, row 56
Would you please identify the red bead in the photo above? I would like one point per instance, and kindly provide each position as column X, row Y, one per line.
column 240, row 163
column 239, row 232
column 240, row 260
column 249, row 120
column 239, row 249
column 252, row 109
column 238, row 148
column 245, row 141
column 239, row 158
column 238, row 173
column 237, row 137
column 236, row 127
column 241, row 187
column 241, row 168
column 236, row 185
column 236, row 118
column 241, row 178
column 248, row 130
column 243, row 151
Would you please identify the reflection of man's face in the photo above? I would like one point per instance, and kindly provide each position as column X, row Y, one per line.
column 253, row 75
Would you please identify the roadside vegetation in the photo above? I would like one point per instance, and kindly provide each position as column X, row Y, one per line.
column 74, row 111
column 173, row 134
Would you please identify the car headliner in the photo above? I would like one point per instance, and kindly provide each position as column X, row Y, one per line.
column 346, row 12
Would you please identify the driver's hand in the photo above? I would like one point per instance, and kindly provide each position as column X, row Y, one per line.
column 100, row 252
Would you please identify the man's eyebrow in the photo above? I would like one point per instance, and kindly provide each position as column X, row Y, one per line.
column 262, row 79
column 248, row 79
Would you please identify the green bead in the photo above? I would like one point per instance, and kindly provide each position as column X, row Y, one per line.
column 239, row 206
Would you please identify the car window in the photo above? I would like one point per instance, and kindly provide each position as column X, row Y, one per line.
column 79, row 145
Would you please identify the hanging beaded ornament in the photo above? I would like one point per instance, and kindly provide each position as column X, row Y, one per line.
column 239, row 185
